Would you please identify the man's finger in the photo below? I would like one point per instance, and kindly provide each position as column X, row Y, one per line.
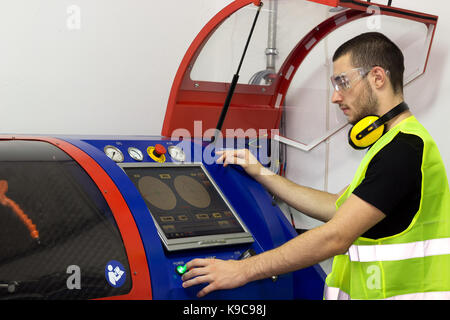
column 220, row 159
column 194, row 272
column 224, row 155
column 196, row 281
column 198, row 263
column 206, row 290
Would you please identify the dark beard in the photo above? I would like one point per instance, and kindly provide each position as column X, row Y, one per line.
column 367, row 102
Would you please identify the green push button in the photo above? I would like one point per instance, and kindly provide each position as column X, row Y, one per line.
column 181, row 270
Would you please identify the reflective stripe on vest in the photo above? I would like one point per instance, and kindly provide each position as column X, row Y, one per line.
column 401, row 251
column 331, row 293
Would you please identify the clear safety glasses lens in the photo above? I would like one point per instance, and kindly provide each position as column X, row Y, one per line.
column 342, row 81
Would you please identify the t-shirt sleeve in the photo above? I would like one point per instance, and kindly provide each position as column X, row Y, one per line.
column 391, row 176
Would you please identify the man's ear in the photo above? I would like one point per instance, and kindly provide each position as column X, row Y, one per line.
column 380, row 77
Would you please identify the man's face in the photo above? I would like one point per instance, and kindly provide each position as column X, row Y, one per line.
column 358, row 100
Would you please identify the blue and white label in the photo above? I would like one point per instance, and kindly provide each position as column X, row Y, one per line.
column 115, row 273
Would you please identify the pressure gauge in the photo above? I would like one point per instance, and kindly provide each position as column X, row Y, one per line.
column 135, row 153
column 113, row 153
column 177, row 153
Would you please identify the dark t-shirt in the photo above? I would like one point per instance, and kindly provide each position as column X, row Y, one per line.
column 393, row 184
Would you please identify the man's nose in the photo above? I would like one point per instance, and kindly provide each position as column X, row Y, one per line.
column 336, row 97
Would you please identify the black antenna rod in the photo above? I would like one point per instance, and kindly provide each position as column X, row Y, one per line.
column 235, row 80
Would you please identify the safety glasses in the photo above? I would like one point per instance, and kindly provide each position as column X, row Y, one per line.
column 343, row 81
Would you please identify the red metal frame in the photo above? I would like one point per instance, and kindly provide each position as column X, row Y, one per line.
column 201, row 100
column 254, row 106
column 331, row 3
column 141, row 286
column 357, row 10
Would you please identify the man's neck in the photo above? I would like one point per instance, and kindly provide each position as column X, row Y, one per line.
column 389, row 105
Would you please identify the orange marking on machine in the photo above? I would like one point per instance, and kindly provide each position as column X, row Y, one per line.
column 7, row 202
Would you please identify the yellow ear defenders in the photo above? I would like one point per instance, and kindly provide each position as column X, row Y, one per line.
column 369, row 129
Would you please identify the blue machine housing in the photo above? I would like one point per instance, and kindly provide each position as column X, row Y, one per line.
column 254, row 205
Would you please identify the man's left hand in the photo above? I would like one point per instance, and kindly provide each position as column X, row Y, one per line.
column 220, row 274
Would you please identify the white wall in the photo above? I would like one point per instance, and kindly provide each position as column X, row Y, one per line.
column 106, row 67
column 112, row 75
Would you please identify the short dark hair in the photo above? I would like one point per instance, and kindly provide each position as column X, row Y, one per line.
column 375, row 49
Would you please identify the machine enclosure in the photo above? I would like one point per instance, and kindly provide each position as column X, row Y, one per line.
column 149, row 266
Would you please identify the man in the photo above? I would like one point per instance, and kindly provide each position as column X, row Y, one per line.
column 389, row 230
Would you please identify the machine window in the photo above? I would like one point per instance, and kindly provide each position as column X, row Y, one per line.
column 58, row 235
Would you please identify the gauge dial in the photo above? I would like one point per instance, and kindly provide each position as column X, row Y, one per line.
column 135, row 153
column 177, row 153
column 114, row 153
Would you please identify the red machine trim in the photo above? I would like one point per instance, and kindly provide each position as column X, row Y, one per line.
column 331, row 3
column 390, row 11
column 308, row 42
column 141, row 286
column 301, row 50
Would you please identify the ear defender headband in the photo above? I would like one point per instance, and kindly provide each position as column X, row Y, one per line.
column 369, row 129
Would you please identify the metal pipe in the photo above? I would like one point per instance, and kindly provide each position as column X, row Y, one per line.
column 271, row 50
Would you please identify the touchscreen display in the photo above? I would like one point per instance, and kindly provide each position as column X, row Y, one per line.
column 183, row 201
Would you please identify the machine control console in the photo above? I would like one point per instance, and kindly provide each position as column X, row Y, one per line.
column 138, row 152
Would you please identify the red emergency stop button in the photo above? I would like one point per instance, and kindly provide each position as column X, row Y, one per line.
column 159, row 150
column 157, row 153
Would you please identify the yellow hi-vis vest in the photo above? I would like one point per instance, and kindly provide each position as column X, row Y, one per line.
column 413, row 264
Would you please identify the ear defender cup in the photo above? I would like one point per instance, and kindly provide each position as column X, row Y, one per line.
column 369, row 129
column 359, row 141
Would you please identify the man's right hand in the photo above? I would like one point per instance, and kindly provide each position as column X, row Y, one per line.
column 317, row 204
column 242, row 157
